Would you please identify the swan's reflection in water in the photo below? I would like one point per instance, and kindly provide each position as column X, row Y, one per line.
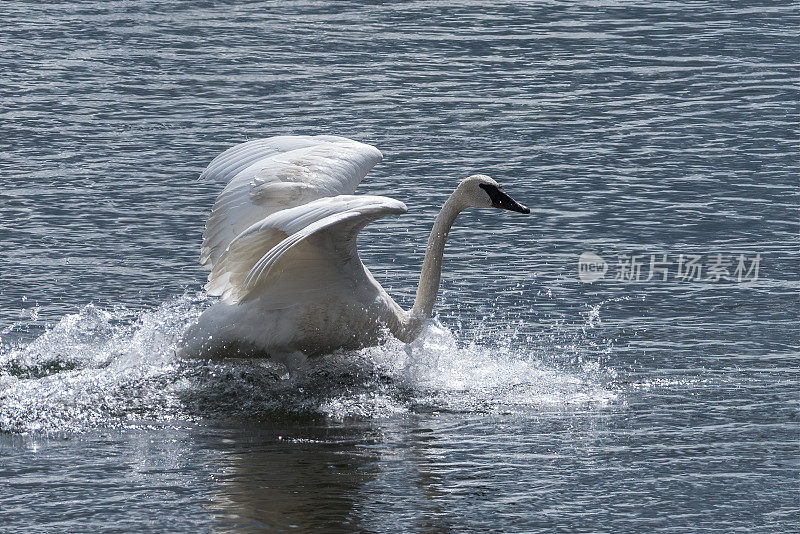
column 278, row 470
column 303, row 477
column 327, row 477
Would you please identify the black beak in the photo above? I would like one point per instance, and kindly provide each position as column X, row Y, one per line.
column 502, row 200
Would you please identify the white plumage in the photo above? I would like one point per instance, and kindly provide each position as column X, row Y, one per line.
column 268, row 175
column 281, row 246
column 290, row 246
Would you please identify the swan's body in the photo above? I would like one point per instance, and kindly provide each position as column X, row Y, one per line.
column 281, row 245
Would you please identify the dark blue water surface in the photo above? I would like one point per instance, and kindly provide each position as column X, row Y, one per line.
column 539, row 403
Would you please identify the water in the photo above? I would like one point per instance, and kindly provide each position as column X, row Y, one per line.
column 538, row 402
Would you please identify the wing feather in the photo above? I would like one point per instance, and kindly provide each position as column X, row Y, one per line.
column 238, row 157
column 265, row 176
column 314, row 241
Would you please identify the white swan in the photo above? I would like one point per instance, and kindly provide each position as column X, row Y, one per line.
column 281, row 245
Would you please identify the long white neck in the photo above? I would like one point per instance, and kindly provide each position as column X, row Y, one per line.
column 407, row 325
column 432, row 267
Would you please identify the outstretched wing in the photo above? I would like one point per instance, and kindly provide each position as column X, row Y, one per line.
column 265, row 176
column 297, row 250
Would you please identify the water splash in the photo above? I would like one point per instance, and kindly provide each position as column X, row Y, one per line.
column 118, row 368
column 94, row 368
column 442, row 373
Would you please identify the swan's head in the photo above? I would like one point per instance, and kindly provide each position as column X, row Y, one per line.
column 481, row 191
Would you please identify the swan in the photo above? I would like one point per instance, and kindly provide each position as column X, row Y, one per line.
column 281, row 246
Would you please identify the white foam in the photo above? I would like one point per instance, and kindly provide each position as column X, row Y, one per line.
column 443, row 374
column 101, row 368
column 87, row 371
